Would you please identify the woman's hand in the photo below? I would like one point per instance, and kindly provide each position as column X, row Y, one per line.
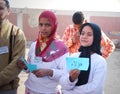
column 43, row 72
column 74, row 74
column 21, row 65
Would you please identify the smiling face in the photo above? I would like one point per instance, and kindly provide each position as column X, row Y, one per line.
column 86, row 37
column 45, row 27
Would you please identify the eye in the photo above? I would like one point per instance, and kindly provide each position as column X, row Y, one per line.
column 1, row 8
column 82, row 33
column 89, row 34
column 40, row 24
column 46, row 24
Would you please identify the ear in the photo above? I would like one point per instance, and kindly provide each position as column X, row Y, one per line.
column 9, row 11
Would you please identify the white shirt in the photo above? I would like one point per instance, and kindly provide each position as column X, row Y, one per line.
column 96, row 79
column 45, row 84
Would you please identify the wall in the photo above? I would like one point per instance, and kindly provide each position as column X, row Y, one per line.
column 110, row 25
column 108, row 21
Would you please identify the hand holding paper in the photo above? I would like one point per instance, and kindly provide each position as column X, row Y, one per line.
column 77, row 63
column 31, row 67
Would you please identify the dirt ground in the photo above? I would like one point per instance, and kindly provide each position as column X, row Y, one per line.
column 112, row 84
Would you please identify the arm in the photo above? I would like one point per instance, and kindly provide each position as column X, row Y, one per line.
column 66, row 83
column 59, row 68
column 107, row 45
column 11, row 71
column 67, row 40
column 94, row 85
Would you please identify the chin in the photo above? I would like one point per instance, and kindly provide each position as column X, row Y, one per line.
column 85, row 45
column 44, row 36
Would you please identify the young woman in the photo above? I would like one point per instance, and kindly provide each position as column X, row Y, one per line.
column 49, row 54
column 92, row 80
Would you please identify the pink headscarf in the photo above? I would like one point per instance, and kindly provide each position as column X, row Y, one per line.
column 45, row 54
column 52, row 19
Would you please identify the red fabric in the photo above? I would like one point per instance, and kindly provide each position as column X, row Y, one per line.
column 44, row 53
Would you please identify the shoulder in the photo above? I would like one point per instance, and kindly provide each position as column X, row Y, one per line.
column 17, row 31
column 98, row 56
column 75, row 54
column 32, row 47
column 98, row 60
column 33, row 44
column 59, row 42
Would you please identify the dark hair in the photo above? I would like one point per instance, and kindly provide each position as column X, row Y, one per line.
column 95, row 47
column 7, row 3
column 78, row 17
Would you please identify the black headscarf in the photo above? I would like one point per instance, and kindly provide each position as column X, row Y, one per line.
column 86, row 51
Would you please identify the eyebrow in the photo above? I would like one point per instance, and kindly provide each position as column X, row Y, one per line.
column 46, row 24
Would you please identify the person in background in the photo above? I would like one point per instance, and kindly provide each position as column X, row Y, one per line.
column 73, row 43
column 49, row 54
column 91, row 81
column 12, row 47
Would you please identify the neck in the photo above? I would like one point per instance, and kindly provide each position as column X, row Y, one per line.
column 43, row 40
column 1, row 21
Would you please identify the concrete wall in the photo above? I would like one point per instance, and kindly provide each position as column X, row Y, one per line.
column 27, row 20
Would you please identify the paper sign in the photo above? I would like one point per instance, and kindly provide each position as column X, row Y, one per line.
column 3, row 50
column 31, row 67
column 77, row 63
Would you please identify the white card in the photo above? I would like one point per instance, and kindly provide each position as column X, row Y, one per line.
column 3, row 49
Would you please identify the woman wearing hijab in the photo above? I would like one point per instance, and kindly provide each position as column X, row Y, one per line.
column 91, row 81
column 49, row 54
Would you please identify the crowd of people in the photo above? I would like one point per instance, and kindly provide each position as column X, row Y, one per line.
column 48, row 54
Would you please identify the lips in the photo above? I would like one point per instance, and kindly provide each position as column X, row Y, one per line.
column 84, row 41
column 44, row 33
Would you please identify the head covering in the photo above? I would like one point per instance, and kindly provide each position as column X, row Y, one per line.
column 95, row 47
column 86, row 51
column 52, row 44
column 52, row 19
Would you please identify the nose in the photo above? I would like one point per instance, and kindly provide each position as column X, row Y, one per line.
column 42, row 27
column 84, row 35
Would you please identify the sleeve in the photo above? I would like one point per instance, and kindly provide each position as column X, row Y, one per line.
column 60, row 67
column 65, row 82
column 31, row 52
column 67, row 40
column 11, row 71
column 95, row 86
column 107, row 45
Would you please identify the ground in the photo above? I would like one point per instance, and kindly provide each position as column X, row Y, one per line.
column 112, row 83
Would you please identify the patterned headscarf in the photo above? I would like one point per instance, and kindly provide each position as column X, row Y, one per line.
column 51, row 41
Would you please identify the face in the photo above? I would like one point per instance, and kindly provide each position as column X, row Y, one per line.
column 45, row 27
column 4, row 11
column 86, row 37
column 77, row 26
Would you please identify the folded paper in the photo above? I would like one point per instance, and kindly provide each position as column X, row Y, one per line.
column 77, row 63
column 31, row 67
